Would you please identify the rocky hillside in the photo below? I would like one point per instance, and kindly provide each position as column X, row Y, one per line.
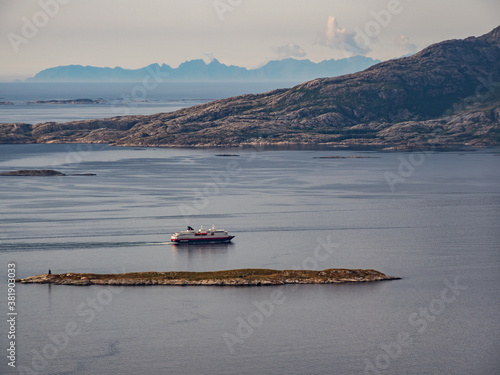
column 449, row 93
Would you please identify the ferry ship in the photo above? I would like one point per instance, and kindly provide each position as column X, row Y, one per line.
column 201, row 235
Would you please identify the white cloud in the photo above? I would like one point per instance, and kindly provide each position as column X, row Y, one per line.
column 404, row 42
column 339, row 38
column 289, row 50
column 208, row 57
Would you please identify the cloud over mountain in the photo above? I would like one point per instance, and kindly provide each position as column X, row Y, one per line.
column 339, row 38
column 289, row 50
column 404, row 42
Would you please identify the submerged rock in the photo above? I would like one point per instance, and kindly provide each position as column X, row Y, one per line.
column 346, row 157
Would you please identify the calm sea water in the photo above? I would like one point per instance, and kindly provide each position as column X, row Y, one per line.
column 437, row 228
column 127, row 98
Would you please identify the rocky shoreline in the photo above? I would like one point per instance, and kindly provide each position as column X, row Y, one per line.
column 238, row 277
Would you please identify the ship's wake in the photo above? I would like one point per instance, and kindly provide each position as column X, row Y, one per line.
column 40, row 246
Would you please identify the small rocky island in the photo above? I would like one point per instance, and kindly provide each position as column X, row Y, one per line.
column 33, row 172
column 69, row 101
column 42, row 173
column 237, row 277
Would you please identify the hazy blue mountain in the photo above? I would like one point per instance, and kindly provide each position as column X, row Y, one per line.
column 79, row 73
column 303, row 70
column 199, row 70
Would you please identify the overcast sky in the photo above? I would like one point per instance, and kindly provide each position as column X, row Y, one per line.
column 40, row 34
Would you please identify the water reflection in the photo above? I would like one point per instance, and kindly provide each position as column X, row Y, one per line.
column 198, row 257
column 207, row 248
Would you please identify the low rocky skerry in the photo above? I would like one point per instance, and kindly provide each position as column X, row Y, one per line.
column 42, row 173
column 238, row 277
column 33, row 172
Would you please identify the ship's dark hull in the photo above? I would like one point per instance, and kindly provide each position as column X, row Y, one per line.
column 202, row 240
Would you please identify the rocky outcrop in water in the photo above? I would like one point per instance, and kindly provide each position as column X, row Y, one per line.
column 447, row 94
column 240, row 277
column 42, row 172
column 33, row 172
column 69, row 101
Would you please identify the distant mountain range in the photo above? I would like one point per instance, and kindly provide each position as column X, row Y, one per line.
column 198, row 70
column 447, row 94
